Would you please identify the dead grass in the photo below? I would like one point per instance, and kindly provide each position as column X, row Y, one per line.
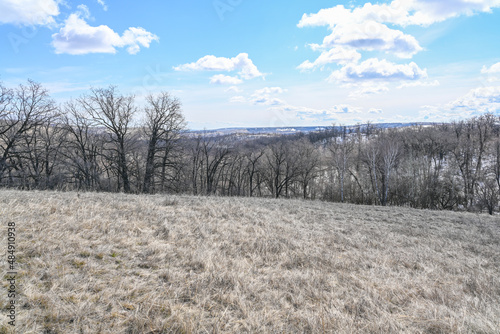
column 114, row 263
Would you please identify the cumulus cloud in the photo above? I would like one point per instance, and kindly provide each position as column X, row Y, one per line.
column 339, row 55
column 495, row 68
column 373, row 36
column 399, row 12
column 221, row 79
column 360, row 31
column 29, row 12
column 241, row 63
column 77, row 37
column 491, row 73
column 476, row 102
column 374, row 27
column 479, row 100
column 426, row 12
column 375, row 69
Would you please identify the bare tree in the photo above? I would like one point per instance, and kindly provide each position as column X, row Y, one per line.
column 341, row 148
column 282, row 167
column 163, row 125
column 253, row 157
column 22, row 111
column 114, row 113
column 41, row 150
column 83, row 146
column 308, row 161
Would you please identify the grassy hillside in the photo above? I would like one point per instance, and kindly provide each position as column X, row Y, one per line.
column 114, row 263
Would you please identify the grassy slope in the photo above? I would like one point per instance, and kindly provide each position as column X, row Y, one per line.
column 115, row 263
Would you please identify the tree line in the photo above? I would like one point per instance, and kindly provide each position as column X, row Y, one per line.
column 102, row 141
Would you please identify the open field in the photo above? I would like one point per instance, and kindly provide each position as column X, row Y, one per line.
column 115, row 263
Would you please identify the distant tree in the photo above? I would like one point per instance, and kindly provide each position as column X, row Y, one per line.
column 390, row 151
column 341, row 148
column 281, row 167
column 308, row 161
column 253, row 157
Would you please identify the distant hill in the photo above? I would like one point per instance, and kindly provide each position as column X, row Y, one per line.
column 293, row 129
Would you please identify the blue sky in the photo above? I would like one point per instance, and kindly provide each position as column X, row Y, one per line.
column 241, row 63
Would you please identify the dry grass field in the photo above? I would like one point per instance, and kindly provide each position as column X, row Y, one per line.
column 115, row 263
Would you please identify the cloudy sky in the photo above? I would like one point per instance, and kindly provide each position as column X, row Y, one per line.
column 242, row 63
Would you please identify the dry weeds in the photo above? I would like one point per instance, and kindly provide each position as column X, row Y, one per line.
column 115, row 263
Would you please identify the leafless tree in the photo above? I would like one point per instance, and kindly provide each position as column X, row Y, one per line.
column 281, row 167
column 83, row 146
column 341, row 148
column 253, row 156
column 162, row 126
column 113, row 112
column 308, row 161
column 23, row 110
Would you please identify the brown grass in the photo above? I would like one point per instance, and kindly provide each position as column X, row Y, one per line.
column 114, row 263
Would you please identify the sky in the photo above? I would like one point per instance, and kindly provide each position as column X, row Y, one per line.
column 242, row 63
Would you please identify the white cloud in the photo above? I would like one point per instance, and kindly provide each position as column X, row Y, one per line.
column 367, row 88
column 399, row 12
column 77, row 37
column 476, row 102
column 83, row 11
column 269, row 90
column 373, row 27
column 241, row 63
column 356, row 29
column 221, row 79
column 495, row 68
column 103, row 5
column 265, row 96
column 29, row 12
column 490, row 72
column 373, row 36
column 133, row 37
column 343, row 109
column 338, row 54
column 426, row 12
column 375, row 69
column 375, row 111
